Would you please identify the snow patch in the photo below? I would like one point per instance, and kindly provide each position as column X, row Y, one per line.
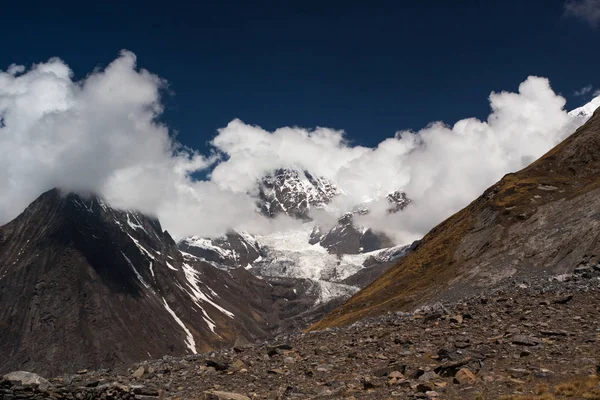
column 189, row 342
column 136, row 271
column 191, row 276
column 206, row 244
column 170, row 266
column 142, row 249
column 134, row 225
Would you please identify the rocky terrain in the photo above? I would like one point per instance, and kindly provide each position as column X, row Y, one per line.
column 523, row 340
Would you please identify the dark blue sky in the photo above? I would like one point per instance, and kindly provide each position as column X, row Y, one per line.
column 370, row 68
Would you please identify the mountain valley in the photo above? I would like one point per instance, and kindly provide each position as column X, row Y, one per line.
column 500, row 299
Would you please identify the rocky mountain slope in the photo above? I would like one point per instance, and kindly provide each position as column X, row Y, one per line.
column 527, row 339
column 86, row 285
column 82, row 284
column 541, row 220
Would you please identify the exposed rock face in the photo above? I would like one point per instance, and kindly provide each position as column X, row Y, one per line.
column 84, row 285
column 398, row 201
column 294, row 193
column 539, row 221
column 347, row 238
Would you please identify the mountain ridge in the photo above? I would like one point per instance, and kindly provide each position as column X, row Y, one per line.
column 82, row 284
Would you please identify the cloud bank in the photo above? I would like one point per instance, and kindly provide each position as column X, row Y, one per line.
column 102, row 135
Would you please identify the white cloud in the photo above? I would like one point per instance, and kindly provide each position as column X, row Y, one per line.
column 101, row 135
column 583, row 91
column 585, row 10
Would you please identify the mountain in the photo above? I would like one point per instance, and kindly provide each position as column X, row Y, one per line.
column 85, row 285
column 538, row 222
column 587, row 110
column 289, row 259
column 326, row 265
column 294, row 193
column 347, row 238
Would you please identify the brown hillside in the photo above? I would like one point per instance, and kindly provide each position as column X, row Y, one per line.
column 541, row 220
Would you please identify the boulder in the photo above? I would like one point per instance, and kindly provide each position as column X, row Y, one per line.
column 27, row 378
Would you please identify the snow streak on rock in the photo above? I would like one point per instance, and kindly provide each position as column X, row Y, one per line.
column 189, row 342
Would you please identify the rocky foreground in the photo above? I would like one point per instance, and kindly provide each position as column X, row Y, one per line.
column 522, row 341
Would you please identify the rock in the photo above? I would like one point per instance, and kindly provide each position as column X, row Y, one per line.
column 82, row 371
column 369, row 383
column 584, row 269
column 92, row 383
column 27, row 378
column 543, row 373
column 518, row 372
column 289, row 360
column 146, row 391
column 432, row 317
column 450, row 368
column 428, row 376
column 432, row 394
column 217, row 365
column 218, row 395
column 385, row 371
column 524, row 353
column 276, row 371
column 237, row 365
column 464, row 376
column 563, row 300
column 395, row 374
column 457, row 319
column 553, row 333
column 424, row 387
column 525, row 340
column 138, row 373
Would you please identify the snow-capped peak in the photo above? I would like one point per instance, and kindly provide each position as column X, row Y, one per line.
column 587, row 110
column 294, row 193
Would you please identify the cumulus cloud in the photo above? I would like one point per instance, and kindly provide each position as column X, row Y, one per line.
column 585, row 10
column 583, row 91
column 442, row 168
column 102, row 135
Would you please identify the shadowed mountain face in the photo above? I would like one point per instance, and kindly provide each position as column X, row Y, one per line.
column 540, row 221
column 84, row 285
